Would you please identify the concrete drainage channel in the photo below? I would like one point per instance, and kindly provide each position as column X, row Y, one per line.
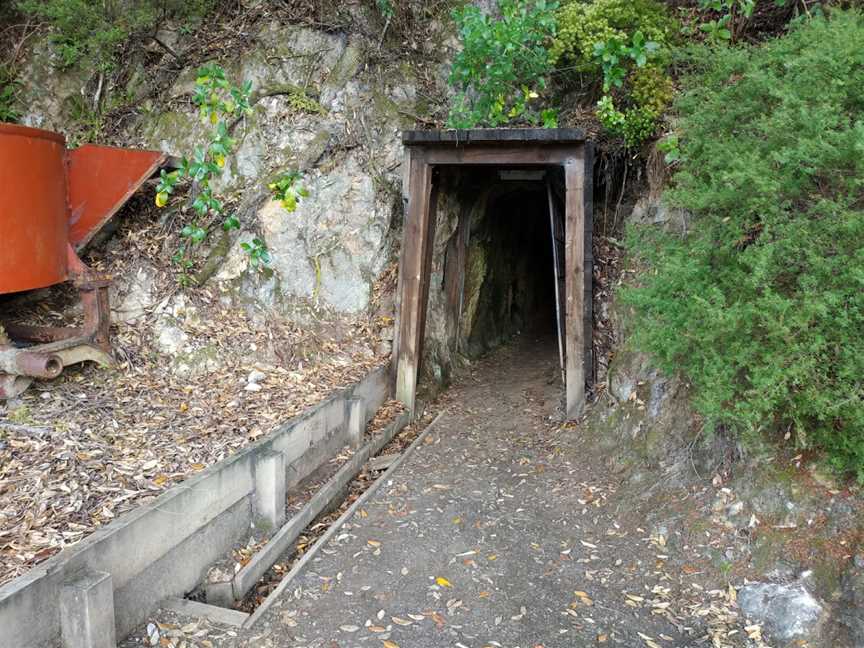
column 235, row 592
column 109, row 583
column 223, row 598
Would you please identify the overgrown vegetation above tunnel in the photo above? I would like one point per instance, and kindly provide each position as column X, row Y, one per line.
column 761, row 305
column 90, row 33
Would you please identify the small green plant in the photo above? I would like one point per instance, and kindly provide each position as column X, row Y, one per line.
column 288, row 190
column 647, row 97
column 258, row 253
column 671, row 149
column 581, row 25
column 616, row 57
column 300, row 101
column 651, row 89
column 9, row 87
column 625, row 41
column 218, row 102
column 611, row 118
column 732, row 14
column 633, row 125
column 501, row 70
column 760, row 304
column 86, row 122
column 386, row 8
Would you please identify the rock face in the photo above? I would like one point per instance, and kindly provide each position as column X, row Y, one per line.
column 787, row 611
column 323, row 103
column 851, row 613
column 51, row 99
column 334, row 246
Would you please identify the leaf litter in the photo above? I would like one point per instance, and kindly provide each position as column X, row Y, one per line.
column 77, row 452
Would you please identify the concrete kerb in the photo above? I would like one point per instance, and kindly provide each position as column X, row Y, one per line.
column 147, row 550
column 334, row 528
column 87, row 611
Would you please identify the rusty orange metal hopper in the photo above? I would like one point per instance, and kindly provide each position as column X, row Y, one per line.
column 33, row 209
column 101, row 179
column 52, row 202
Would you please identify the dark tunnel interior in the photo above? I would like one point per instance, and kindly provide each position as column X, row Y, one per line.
column 517, row 295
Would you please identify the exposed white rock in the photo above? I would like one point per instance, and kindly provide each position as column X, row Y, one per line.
column 170, row 338
column 139, row 298
column 256, row 376
column 786, row 611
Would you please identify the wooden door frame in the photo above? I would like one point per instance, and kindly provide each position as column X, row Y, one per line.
column 565, row 148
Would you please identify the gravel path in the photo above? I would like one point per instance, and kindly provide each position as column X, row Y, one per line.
column 501, row 530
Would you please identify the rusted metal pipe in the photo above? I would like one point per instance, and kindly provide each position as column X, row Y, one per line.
column 21, row 362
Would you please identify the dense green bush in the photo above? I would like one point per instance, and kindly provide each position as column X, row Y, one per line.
column 761, row 304
column 581, row 25
column 502, row 67
column 89, row 33
column 617, row 38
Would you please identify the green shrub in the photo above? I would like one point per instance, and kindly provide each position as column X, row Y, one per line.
column 503, row 63
column 581, row 25
column 617, row 38
column 761, row 304
column 89, row 33
column 651, row 89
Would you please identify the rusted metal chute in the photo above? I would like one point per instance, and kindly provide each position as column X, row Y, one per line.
column 52, row 202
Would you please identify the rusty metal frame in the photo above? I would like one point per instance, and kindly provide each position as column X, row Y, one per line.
column 88, row 185
column 57, row 347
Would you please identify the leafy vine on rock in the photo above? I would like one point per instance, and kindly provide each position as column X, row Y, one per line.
column 220, row 104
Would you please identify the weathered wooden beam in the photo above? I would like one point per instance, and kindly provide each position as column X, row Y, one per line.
column 588, row 246
column 574, row 290
column 530, row 154
column 418, row 231
column 428, row 247
column 493, row 135
column 518, row 147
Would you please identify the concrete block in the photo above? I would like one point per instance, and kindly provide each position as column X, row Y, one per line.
column 219, row 594
column 270, row 488
column 202, row 610
column 356, row 421
column 182, row 569
column 382, row 462
column 87, row 611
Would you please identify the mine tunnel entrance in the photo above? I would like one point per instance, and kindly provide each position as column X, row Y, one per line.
column 496, row 241
column 512, row 284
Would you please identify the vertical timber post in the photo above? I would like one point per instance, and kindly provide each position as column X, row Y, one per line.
column 588, row 246
column 417, row 238
column 575, row 283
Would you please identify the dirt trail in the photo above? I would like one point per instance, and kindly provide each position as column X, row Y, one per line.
column 503, row 529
